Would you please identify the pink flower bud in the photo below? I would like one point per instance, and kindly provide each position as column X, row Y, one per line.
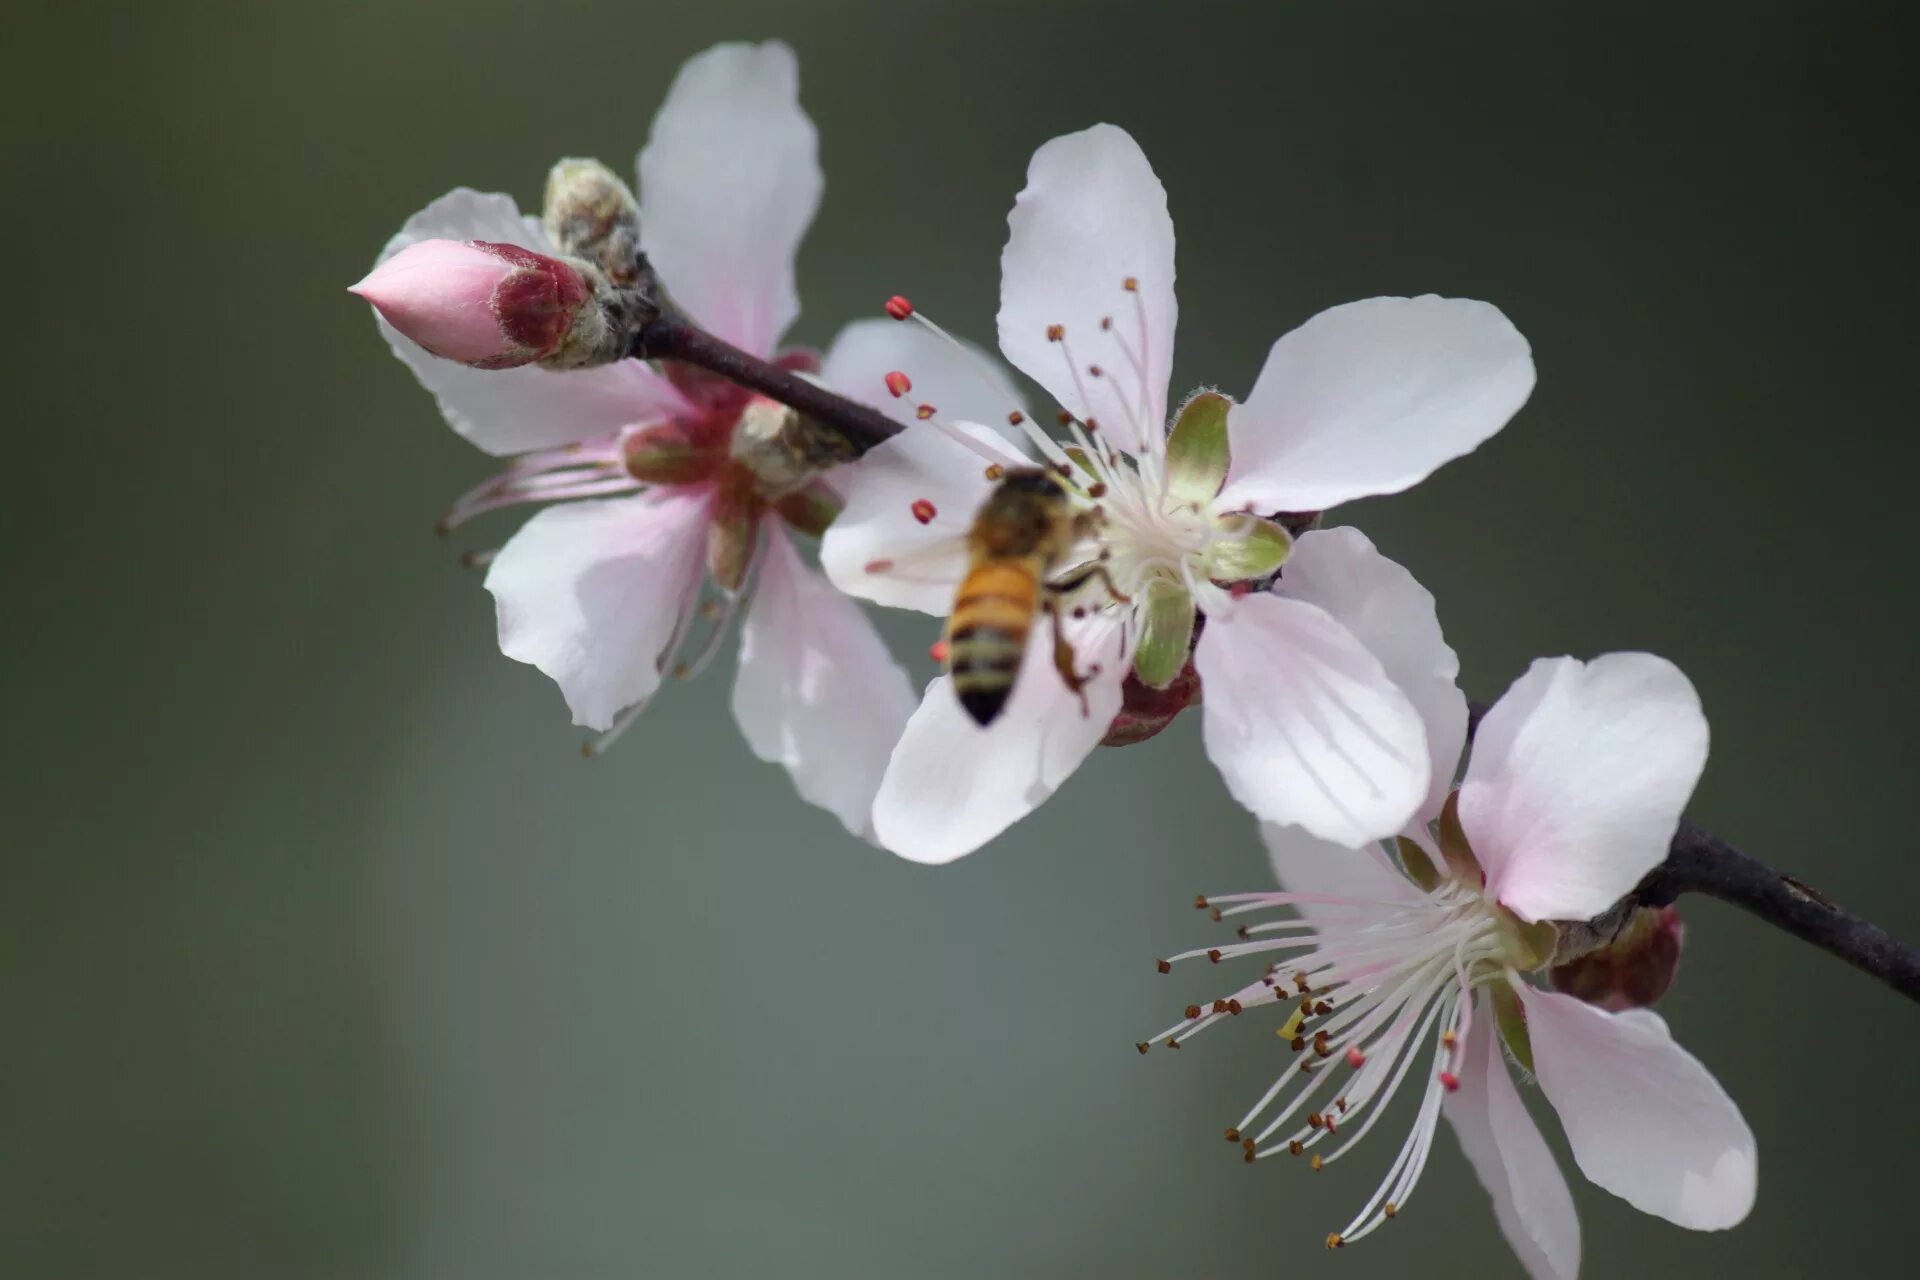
column 1633, row 970
column 492, row 306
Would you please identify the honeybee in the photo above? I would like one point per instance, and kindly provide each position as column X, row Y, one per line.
column 1023, row 530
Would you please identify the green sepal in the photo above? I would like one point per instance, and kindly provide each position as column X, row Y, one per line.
column 1167, row 633
column 1461, row 864
column 730, row 542
column 1264, row 547
column 1530, row 946
column 1511, row 1017
column 666, row 453
column 1418, row 866
column 1197, row 452
column 809, row 510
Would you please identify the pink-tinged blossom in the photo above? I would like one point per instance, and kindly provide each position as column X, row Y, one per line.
column 661, row 526
column 1416, row 966
column 1304, row 719
column 492, row 306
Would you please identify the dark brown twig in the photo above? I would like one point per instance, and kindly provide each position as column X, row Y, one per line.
column 671, row 336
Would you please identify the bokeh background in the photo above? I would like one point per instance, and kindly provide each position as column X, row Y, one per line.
column 323, row 953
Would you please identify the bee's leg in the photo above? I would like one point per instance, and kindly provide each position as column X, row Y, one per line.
column 1064, row 659
column 1097, row 569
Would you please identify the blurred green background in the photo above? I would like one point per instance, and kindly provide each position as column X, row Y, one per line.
column 322, row 952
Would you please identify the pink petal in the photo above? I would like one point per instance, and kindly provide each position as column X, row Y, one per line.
column 817, row 692
column 507, row 411
column 729, row 181
column 952, row 785
column 590, row 593
column 964, row 383
column 1372, row 397
column 1390, row 613
column 1644, row 1118
column 1304, row 724
column 1530, row 1197
column 1577, row 780
column 1091, row 217
column 879, row 547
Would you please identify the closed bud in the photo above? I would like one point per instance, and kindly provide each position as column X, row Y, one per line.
column 493, row 306
column 783, row 449
column 591, row 214
column 1634, row 969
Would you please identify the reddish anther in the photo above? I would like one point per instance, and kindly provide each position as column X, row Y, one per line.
column 923, row 511
column 898, row 307
column 899, row 384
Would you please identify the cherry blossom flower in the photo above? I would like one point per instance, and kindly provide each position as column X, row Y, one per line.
column 657, row 494
column 1300, row 717
column 1414, row 971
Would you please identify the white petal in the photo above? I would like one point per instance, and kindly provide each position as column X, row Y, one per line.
column 729, row 180
column 1577, row 780
column 962, row 383
column 817, row 691
column 1530, row 1196
column 1393, row 615
column 1305, row 726
column 1371, row 397
column 1307, row 864
column 878, row 548
column 1092, row 216
column 589, row 593
column 1644, row 1118
column 507, row 411
column 952, row 786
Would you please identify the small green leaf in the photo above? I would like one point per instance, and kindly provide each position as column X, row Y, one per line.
column 1197, row 455
column 1511, row 1017
column 1252, row 548
column 1168, row 632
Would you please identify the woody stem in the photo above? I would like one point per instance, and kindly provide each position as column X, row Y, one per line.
column 672, row 336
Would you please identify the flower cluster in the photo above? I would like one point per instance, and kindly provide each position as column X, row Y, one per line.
column 1141, row 555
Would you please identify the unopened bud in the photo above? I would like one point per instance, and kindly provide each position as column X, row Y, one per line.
column 1633, row 970
column 783, row 449
column 493, row 306
column 591, row 214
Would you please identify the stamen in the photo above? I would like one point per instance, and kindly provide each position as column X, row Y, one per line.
column 600, row 745
column 898, row 307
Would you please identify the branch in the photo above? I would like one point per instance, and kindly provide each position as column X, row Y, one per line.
column 1697, row 862
column 1700, row 862
column 671, row 336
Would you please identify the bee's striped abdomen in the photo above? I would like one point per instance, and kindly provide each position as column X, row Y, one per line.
column 987, row 633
